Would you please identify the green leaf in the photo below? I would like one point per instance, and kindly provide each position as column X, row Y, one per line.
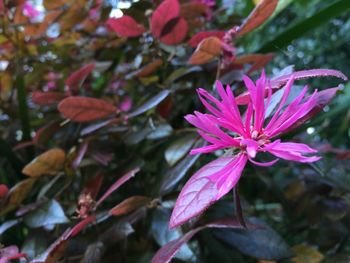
column 34, row 245
column 310, row 23
column 24, row 112
column 178, row 149
column 262, row 242
column 50, row 213
column 151, row 103
column 163, row 235
column 175, row 174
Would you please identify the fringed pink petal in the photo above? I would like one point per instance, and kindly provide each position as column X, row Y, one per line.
column 266, row 164
column 218, row 141
column 228, row 177
column 229, row 107
column 292, row 151
column 282, row 103
column 259, row 102
column 206, row 149
column 248, row 117
column 303, row 110
column 251, row 87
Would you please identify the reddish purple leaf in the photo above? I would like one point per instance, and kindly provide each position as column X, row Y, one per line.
column 129, row 205
column 126, row 26
column 25, row 209
column 80, row 155
column 197, row 38
column 47, row 98
column 258, row 16
column 198, row 193
column 280, row 81
column 117, row 184
column 83, row 109
column 96, row 126
column 45, row 133
column 10, row 253
column 81, row 225
column 77, row 78
column 13, row 257
column 165, row 12
column 55, row 251
column 93, row 185
column 103, row 158
column 167, row 252
column 23, row 145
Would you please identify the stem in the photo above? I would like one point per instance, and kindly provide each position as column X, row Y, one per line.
column 7, row 152
column 239, row 212
column 218, row 70
column 23, row 111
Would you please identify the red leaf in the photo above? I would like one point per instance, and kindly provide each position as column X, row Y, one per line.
column 167, row 252
column 117, row 184
column 93, row 185
column 198, row 193
column 149, row 68
column 208, row 49
column 77, row 78
column 176, row 34
column 258, row 16
column 166, row 11
column 126, row 26
column 164, row 108
column 83, row 109
column 3, row 190
column 47, row 98
column 197, row 38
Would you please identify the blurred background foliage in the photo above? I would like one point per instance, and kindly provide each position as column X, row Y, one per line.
column 303, row 209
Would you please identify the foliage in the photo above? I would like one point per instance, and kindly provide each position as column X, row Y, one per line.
column 94, row 148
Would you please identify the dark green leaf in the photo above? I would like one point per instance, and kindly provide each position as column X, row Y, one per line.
column 262, row 243
column 50, row 213
column 323, row 16
column 178, row 149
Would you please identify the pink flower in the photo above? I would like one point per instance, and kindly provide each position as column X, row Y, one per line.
column 245, row 137
column 29, row 10
column 126, row 104
column 252, row 134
